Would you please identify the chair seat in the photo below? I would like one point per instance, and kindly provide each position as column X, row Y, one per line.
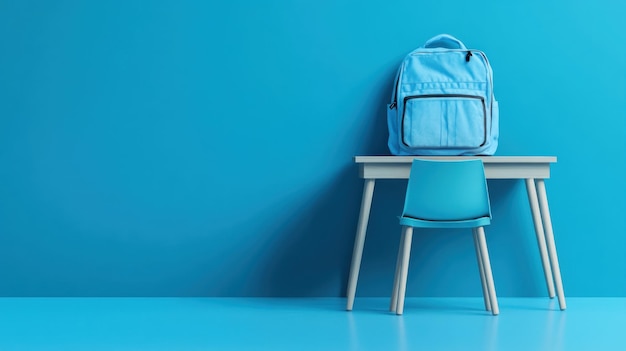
column 422, row 223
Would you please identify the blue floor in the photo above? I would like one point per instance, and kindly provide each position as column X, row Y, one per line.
column 308, row 324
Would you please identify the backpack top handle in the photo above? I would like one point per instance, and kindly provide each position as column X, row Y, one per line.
column 445, row 41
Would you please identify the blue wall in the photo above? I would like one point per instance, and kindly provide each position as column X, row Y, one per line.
column 204, row 148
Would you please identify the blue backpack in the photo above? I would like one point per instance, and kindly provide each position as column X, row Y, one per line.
column 443, row 102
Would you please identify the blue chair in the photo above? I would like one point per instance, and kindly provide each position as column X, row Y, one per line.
column 445, row 194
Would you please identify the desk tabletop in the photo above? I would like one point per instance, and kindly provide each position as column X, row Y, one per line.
column 486, row 159
column 496, row 167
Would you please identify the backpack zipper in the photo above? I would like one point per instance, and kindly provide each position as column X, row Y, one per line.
column 394, row 103
column 423, row 96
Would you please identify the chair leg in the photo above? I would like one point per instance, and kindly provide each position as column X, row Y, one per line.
column 404, row 272
column 480, row 233
column 396, row 277
column 481, row 270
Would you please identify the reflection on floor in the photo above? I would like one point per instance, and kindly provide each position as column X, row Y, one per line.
column 309, row 324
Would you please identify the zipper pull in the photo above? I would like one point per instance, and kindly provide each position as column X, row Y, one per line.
column 467, row 56
column 392, row 106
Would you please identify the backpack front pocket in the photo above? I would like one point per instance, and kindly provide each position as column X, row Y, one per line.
column 444, row 121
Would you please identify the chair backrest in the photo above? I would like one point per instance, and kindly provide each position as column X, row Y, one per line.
column 448, row 190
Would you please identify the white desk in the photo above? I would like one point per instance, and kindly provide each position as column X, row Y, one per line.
column 533, row 169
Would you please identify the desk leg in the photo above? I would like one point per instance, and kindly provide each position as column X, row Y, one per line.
column 359, row 240
column 547, row 224
column 541, row 239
